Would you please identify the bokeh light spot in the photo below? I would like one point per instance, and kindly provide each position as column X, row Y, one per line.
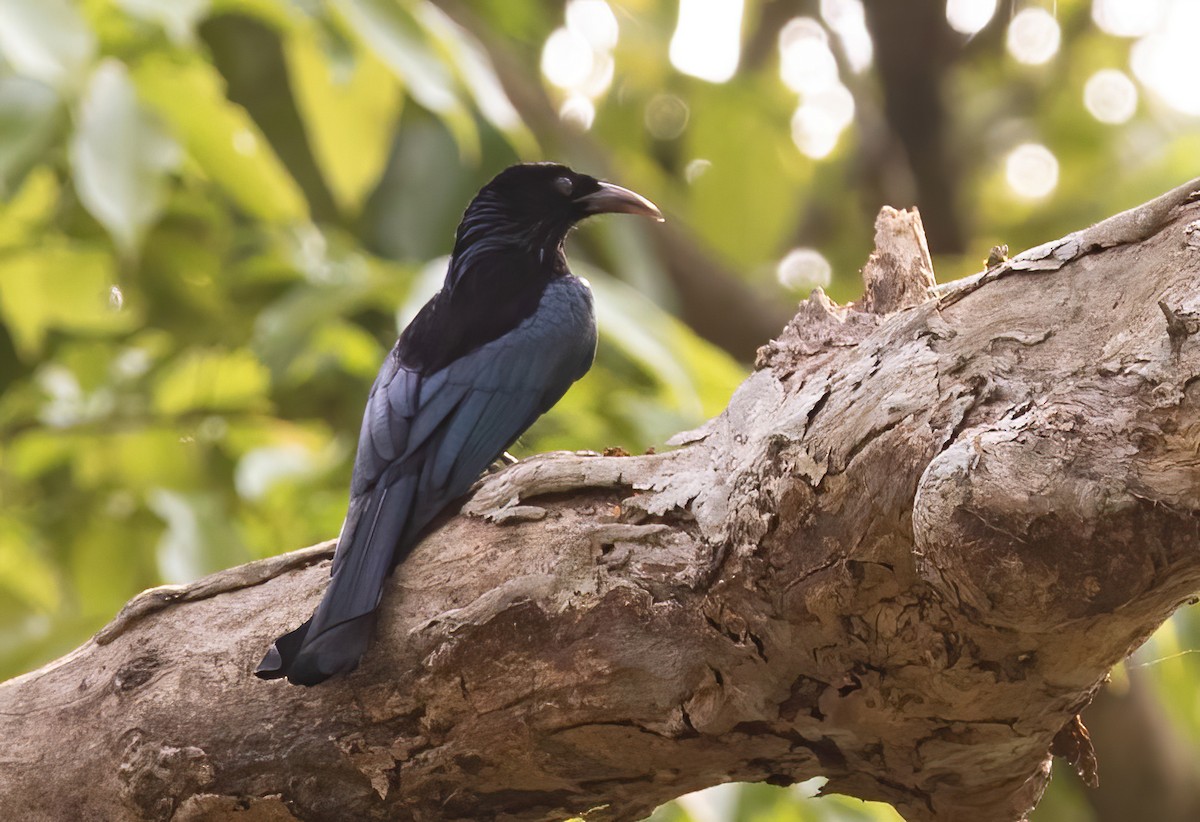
column 695, row 169
column 804, row 269
column 836, row 101
column 1033, row 36
column 1031, row 170
column 814, row 131
column 578, row 110
column 567, row 58
column 594, row 21
column 1127, row 18
column 1164, row 60
column 805, row 62
column 707, row 39
column 600, row 77
column 666, row 116
column 1110, row 96
column 244, row 142
column 848, row 20
column 969, row 16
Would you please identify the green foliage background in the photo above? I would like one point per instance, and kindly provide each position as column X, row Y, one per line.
column 214, row 215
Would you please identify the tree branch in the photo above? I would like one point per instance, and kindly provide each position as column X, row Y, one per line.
column 904, row 557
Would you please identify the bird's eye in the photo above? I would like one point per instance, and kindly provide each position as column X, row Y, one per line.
column 565, row 185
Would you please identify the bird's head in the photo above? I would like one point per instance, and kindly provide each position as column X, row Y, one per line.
column 532, row 206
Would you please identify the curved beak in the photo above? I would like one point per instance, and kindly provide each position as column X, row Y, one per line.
column 614, row 199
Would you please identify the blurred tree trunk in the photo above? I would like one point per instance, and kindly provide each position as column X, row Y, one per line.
column 904, row 557
column 1148, row 770
column 914, row 48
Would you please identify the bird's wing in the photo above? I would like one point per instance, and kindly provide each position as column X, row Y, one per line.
column 424, row 440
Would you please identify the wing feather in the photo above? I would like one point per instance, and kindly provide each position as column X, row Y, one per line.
column 424, row 440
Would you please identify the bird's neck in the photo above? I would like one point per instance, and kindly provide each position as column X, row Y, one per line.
column 483, row 249
column 490, row 237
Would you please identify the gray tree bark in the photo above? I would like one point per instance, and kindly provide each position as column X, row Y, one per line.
column 904, row 557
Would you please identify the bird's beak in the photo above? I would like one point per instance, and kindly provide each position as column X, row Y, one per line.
column 611, row 198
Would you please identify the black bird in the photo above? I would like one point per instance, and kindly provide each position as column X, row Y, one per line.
column 507, row 334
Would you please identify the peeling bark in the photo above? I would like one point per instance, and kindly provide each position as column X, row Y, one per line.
column 904, row 557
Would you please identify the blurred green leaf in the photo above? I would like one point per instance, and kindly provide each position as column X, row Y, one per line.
column 24, row 571
column 121, row 157
column 177, row 17
column 306, row 323
column 746, row 200
column 134, row 460
column 765, row 803
column 35, row 452
column 30, row 206
column 30, row 116
column 47, row 40
column 350, row 103
column 112, row 555
column 281, row 14
column 199, row 538
column 337, row 347
column 655, row 340
column 219, row 135
column 59, row 286
column 474, row 68
column 393, row 32
column 212, row 380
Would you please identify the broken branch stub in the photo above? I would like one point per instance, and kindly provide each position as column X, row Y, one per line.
column 899, row 272
column 904, row 557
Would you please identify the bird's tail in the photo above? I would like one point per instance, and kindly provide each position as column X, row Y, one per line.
column 334, row 650
column 334, row 639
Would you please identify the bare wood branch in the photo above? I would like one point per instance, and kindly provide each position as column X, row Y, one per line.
column 904, row 557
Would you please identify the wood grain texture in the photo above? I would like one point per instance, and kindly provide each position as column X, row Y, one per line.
column 904, row 557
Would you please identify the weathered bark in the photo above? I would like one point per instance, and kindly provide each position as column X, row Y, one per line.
column 904, row 557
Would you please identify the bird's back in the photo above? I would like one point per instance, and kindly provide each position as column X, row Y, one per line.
column 424, row 440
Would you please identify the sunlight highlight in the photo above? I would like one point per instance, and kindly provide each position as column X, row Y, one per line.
column 1127, row 18
column 715, row 804
column 1163, row 60
column 578, row 59
column 1032, row 171
column 808, row 67
column 848, row 20
column 969, row 16
column 566, row 58
column 804, row 269
column 666, row 116
column 820, row 120
column 814, row 132
column 579, row 111
column 244, row 142
column 696, row 169
column 599, row 78
column 1110, row 96
column 594, row 21
column 805, row 62
column 707, row 39
column 1033, row 36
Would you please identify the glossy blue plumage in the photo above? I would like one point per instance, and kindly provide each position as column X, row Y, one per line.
column 496, row 348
